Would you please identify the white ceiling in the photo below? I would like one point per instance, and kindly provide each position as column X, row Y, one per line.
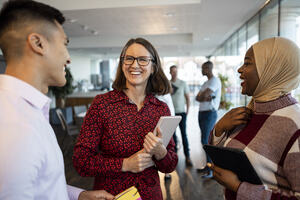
column 174, row 27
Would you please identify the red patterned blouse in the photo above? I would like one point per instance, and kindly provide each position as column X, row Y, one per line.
column 114, row 129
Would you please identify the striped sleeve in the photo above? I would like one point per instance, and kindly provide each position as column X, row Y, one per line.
column 291, row 166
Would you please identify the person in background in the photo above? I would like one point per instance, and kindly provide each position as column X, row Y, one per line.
column 180, row 97
column 168, row 100
column 116, row 143
column 268, row 128
column 33, row 43
column 209, row 98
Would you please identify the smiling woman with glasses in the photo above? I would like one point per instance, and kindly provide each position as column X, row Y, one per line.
column 157, row 83
column 142, row 60
column 116, row 143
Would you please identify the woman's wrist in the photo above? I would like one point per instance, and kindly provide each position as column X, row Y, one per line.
column 124, row 165
column 237, row 186
column 218, row 130
column 161, row 154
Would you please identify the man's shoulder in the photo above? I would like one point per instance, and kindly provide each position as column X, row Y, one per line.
column 179, row 82
column 9, row 103
column 20, row 127
column 16, row 111
column 215, row 80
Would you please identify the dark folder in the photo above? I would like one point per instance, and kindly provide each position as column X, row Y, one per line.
column 234, row 160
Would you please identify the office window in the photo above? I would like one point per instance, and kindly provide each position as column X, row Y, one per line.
column 242, row 41
column 234, row 44
column 253, row 32
column 227, row 48
column 290, row 26
column 219, row 51
column 269, row 21
column 290, row 20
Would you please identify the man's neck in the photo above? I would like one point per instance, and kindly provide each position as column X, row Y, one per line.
column 209, row 76
column 27, row 74
column 174, row 79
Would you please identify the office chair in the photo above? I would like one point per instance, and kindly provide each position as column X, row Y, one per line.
column 69, row 132
column 79, row 109
column 79, row 113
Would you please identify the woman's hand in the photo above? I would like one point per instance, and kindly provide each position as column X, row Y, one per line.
column 225, row 177
column 233, row 118
column 154, row 145
column 137, row 162
column 95, row 195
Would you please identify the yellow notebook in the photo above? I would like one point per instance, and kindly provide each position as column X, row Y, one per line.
column 129, row 194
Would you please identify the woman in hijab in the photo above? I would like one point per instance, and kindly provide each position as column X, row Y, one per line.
column 268, row 129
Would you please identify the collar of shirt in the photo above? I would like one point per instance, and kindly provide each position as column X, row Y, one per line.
column 120, row 95
column 27, row 92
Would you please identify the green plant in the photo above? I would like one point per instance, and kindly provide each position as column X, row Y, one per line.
column 68, row 88
column 224, row 81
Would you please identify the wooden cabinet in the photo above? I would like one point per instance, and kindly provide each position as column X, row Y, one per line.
column 82, row 98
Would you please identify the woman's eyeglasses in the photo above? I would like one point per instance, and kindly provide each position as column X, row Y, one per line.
column 142, row 60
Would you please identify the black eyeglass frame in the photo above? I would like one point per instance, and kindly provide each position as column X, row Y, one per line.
column 138, row 60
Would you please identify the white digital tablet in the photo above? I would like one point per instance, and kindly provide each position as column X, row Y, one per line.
column 167, row 125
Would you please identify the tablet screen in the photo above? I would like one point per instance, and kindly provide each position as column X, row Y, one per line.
column 168, row 125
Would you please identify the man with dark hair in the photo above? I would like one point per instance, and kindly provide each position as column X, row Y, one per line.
column 34, row 43
column 180, row 97
column 209, row 97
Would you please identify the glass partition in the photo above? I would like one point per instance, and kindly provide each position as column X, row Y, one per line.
column 269, row 21
column 253, row 31
column 242, row 41
column 290, row 20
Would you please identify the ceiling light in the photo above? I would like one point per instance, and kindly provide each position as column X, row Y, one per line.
column 174, row 28
column 169, row 14
column 206, row 38
column 72, row 20
column 267, row 1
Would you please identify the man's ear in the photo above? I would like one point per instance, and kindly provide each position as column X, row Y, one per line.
column 37, row 43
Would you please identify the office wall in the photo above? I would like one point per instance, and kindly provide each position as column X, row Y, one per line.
column 80, row 67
